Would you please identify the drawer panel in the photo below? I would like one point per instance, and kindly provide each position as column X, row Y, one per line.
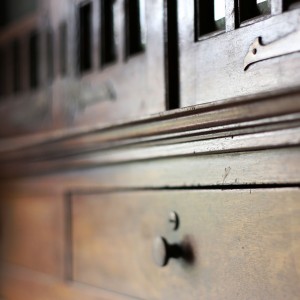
column 238, row 244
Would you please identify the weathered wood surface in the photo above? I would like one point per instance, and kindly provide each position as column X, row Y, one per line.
column 242, row 244
column 109, row 185
column 190, row 151
column 221, row 116
column 244, row 241
column 257, row 168
column 212, row 68
column 123, row 90
column 32, row 229
column 22, row 284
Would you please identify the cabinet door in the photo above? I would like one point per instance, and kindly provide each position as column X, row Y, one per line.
column 234, row 244
column 217, row 37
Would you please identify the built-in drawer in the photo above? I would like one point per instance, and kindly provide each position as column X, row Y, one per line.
column 232, row 244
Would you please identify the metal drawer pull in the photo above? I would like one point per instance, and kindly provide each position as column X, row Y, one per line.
column 163, row 251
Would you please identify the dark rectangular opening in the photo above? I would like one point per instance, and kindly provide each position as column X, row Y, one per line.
column 171, row 54
column 63, row 36
column 50, row 54
column 33, row 60
column 16, row 62
column 209, row 17
column 3, row 12
column 85, row 37
column 253, row 8
column 133, row 27
column 2, row 71
column 108, row 49
column 291, row 4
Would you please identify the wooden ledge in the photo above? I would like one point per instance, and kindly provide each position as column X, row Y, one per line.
column 223, row 116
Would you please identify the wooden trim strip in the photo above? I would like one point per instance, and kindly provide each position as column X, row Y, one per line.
column 222, row 113
column 260, row 167
column 235, row 144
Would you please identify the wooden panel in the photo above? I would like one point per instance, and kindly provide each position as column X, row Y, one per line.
column 264, row 168
column 32, row 233
column 115, row 91
column 212, row 69
column 121, row 90
column 242, row 244
column 224, row 116
column 20, row 284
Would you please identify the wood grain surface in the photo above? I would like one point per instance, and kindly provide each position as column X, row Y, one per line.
column 257, row 168
column 32, row 232
column 122, row 90
column 237, row 125
column 18, row 284
column 91, row 163
column 212, row 69
column 242, row 244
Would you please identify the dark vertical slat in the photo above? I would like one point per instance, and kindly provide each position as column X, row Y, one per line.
column 248, row 9
column 63, row 38
column 50, row 54
column 85, row 37
column 204, row 17
column 3, row 17
column 33, row 60
column 2, row 71
column 133, row 28
column 16, row 63
column 107, row 40
column 171, row 54
column 286, row 4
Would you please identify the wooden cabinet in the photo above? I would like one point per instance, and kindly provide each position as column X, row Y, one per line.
column 134, row 135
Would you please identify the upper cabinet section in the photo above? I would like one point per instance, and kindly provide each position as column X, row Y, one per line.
column 231, row 48
column 102, row 62
column 86, row 62
column 117, row 68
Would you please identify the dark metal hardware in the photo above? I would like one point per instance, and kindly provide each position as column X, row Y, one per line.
column 163, row 251
column 174, row 220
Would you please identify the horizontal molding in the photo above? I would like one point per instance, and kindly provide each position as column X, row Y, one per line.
column 251, row 142
column 252, row 168
column 15, row 278
column 243, row 143
column 265, row 122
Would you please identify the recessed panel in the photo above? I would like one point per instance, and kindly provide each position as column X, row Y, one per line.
column 215, row 66
column 238, row 242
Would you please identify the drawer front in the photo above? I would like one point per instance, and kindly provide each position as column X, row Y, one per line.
column 237, row 244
